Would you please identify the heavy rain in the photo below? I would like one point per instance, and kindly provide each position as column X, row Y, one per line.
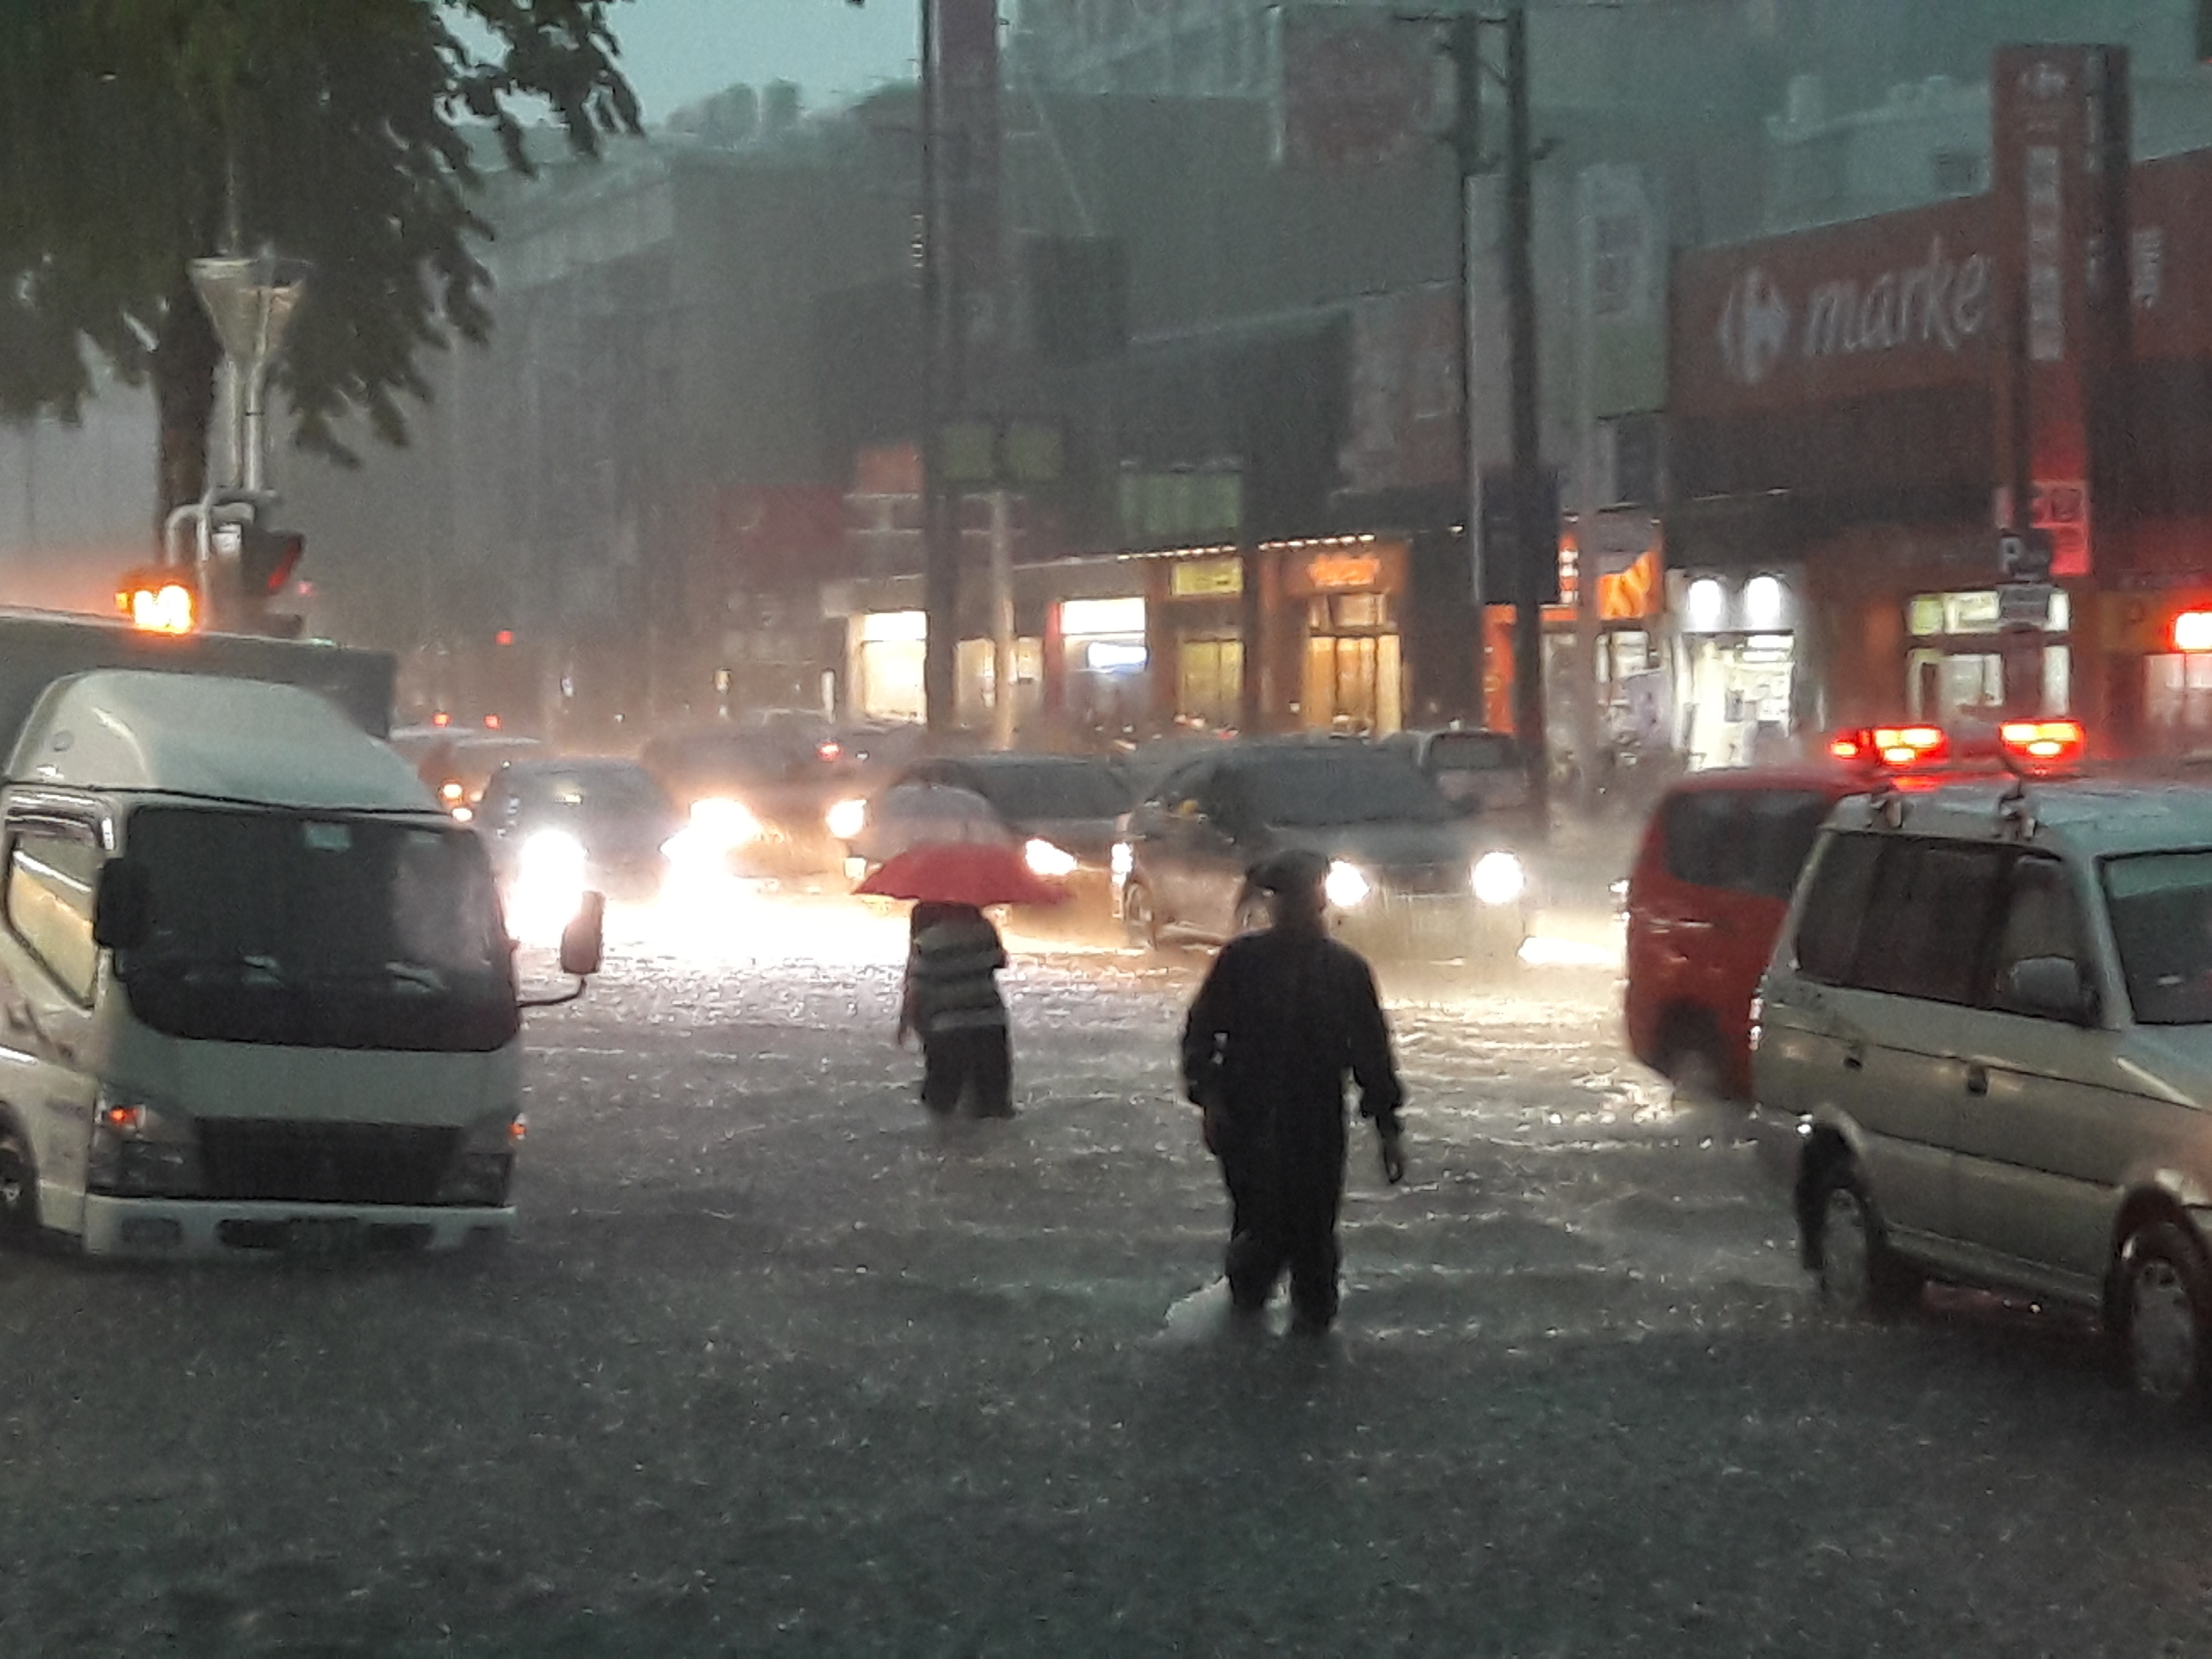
column 712, row 713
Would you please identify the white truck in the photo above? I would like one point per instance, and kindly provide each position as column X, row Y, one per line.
column 256, row 992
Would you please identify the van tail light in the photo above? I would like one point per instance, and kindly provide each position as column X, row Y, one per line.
column 2044, row 745
column 1898, row 747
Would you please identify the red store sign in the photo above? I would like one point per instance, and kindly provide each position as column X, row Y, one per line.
column 1905, row 302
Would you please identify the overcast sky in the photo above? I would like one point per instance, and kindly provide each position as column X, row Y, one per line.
column 676, row 52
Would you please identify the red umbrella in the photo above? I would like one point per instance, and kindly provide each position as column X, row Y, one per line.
column 961, row 873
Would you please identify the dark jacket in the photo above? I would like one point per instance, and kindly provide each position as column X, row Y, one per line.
column 1280, row 1019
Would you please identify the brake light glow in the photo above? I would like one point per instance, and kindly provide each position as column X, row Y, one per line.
column 2044, row 743
column 829, row 750
column 2192, row 631
column 1892, row 745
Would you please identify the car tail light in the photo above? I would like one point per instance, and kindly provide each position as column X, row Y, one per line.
column 1896, row 746
column 2044, row 745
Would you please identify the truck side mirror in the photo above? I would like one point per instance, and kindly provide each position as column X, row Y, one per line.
column 121, row 905
column 583, row 940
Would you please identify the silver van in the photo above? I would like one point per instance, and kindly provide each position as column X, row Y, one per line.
column 1989, row 1014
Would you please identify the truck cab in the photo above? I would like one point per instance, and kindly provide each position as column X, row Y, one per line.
column 256, row 990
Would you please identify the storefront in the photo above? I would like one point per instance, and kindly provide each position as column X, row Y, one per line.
column 1340, row 599
column 1104, row 662
column 886, row 650
column 1200, row 625
column 1989, row 651
column 1737, row 669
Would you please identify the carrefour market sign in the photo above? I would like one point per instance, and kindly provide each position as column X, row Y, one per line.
column 1903, row 303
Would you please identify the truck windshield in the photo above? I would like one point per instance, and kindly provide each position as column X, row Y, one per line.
column 317, row 932
column 2161, row 907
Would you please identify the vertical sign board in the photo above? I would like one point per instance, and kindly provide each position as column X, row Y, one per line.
column 2060, row 127
column 970, row 136
column 1404, row 429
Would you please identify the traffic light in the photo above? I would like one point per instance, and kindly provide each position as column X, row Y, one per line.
column 159, row 599
column 266, row 559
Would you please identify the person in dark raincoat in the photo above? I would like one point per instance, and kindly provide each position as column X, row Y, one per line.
column 1284, row 1014
column 951, row 997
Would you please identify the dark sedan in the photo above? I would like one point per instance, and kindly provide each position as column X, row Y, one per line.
column 1410, row 874
column 557, row 827
column 770, row 786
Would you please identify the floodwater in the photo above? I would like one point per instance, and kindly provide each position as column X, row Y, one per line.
column 777, row 1366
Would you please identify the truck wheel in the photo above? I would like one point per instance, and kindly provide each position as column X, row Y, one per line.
column 2165, row 1305
column 19, row 1193
column 1857, row 1270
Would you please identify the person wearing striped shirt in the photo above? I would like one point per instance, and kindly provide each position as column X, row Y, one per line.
column 951, row 999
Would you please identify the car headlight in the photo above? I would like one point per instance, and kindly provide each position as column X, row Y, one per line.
column 724, row 826
column 1499, row 879
column 1048, row 860
column 846, row 819
column 552, row 857
column 1347, row 886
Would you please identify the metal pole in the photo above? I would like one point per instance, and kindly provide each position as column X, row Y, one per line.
column 1467, row 64
column 1002, row 621
column 1586, row 714
column 940, row 527
column 1534, row 541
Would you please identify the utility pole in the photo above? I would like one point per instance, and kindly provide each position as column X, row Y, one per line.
column 1523, row 567
column 1534, row 541
column 940, row 525
column 1465, row 45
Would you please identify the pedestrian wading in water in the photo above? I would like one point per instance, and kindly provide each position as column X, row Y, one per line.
column 950, row 998
column 1284, row 1014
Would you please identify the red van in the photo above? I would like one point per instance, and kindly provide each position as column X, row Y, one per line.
column 1706, row 897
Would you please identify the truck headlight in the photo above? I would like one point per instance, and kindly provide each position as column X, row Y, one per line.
column 1499, row 879
column 485, row 1164
column 1048, row 860
column 138, row 1151
column 846, row 819
column 1346, row 885
column 549, row 885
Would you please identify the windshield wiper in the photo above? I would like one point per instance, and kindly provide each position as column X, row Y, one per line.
column 415, row 974
column 248, row 966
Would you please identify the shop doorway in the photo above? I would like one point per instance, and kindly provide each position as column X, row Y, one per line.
column 1970, row 660
column 1210, row 682
column 1739, row 705
column 1354, row 675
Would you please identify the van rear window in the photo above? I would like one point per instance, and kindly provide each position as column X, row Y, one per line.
column 1745, row 841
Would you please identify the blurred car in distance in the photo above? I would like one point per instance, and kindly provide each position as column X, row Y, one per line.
column 456, row 761
column 1063, row 810
column 1411, row 875
column 557, row 827
column 1478, row 770
column 780, row 781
